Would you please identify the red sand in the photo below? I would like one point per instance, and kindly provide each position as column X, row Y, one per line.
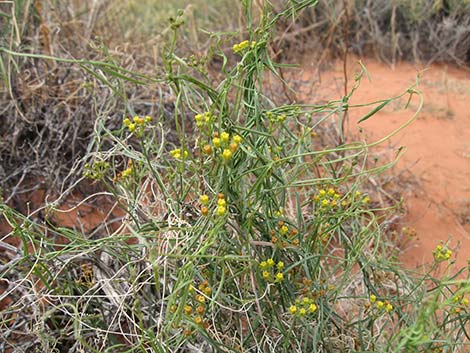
column 438, row 146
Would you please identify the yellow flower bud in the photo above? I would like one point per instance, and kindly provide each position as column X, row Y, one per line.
column 225, row 137
column 293, row 309
column 221, row 211
column 226, row 154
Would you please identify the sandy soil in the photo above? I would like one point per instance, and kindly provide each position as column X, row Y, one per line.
column 437, row 160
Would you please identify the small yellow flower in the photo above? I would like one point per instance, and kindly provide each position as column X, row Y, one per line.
column 148, row 119
column 380, row 304
column 221, row 202
column 358, row 193
column 187, row 309
column 373, row 298
column 279, row 276
column 207, row 291
column 200, row 298
column 331, row 192
column 305, row 300
column 270, row 262
column 366, row 200
column 312, row 308
column 322, row 192
column 280, row 265
column 284, row 229
column 216, row 142
column 127, row 172
column 325, row 203
column 176, row 153
column 204, row 199
column 266, row 274
column 293, row 309
column 388, row 307
column 263, row 264
column 131, row 127
column 224, row 137
column 127, row 121
column 221, row 210
column 226, row 154
column 237, row 139
column 302, row 311
column 464, row 301
column 198, row 320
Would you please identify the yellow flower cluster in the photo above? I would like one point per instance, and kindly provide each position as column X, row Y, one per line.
column 442, row 253
column 274, row 118
column 365, row 200
column 195, row 307
column 379, row 304
column 460, row 303
column 240, row 47
column 303, row 307
column 284, row 235
column 97, row 170
column 203, row 119
column 221, row 208
column 178, row 154
column 328, row 199
column 137, row 124
column 126, row 173
column 271, row 271
column 225, row 145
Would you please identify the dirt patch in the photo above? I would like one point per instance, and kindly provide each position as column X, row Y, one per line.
column 437, row 159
